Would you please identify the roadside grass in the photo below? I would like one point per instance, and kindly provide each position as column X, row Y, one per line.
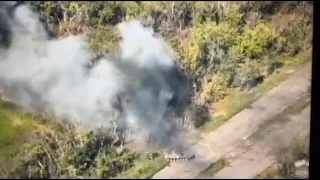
column 215, row 167
column 237, row 101
column 298, row 149
column 144, row 169
column 286, row 158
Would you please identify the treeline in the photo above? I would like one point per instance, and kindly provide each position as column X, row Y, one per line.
column 220, row 44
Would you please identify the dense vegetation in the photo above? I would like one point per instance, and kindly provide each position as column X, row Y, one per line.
column 50, row 149
column 220, row 45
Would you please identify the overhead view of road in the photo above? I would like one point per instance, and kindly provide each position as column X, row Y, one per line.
column 259, row 156
column 233, row 133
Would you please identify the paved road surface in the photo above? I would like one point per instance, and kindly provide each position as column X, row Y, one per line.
column 260, row 156
column 241, row 126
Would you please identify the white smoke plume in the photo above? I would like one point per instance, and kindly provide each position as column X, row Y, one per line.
column 138, row 83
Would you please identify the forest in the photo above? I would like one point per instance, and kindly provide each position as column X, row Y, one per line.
column 226, row 49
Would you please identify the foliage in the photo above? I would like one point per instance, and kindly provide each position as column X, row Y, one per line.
column 254, row 43
column 221, row 45
column 42, row 147
column 55, row 154
column 296, row 36
column 216, row 167
column 206, row 36
column 287, row 157
column 300, row 148
column 104, row 38
column 248, row 74
column 214, row 89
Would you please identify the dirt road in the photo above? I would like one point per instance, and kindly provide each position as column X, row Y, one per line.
column 260, row 155
column 231, row 135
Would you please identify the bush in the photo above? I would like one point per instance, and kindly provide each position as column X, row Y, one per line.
column 295, row 37
column 269, row 65
column 249, row 75
column 221, row 45
column 224, row 35
column 215, row 88
column 255, row 43
column 104, row 38
column 206, row 49
column 287, row 157
column 214, row 27
column 232, row 41
column 267, row 8
column 109, row 165
column 71, row 155
column 300, row 148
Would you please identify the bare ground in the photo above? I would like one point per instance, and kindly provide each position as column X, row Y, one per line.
column 230, row 137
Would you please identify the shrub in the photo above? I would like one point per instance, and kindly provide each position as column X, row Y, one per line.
column 109, row 165
column 287, row 157
column 104, row 38
column 223, row 34
column 255, row 43
column 248, row 75
column 227, row 44
column 296, row 36
column 269, row 65
column 300, row 149
column 214, row 89
column 71, row 155
column 207, row 47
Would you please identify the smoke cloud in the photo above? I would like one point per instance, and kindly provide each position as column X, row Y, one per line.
column 137, row 88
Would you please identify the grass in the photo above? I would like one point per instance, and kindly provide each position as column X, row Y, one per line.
column 298, row 150
column 237, row 101
column 145, row 169
column 270, row 173
column 215, row 167
column 298, row 145
column 14, row 128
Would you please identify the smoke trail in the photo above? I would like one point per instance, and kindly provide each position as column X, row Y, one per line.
column 140, row 82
